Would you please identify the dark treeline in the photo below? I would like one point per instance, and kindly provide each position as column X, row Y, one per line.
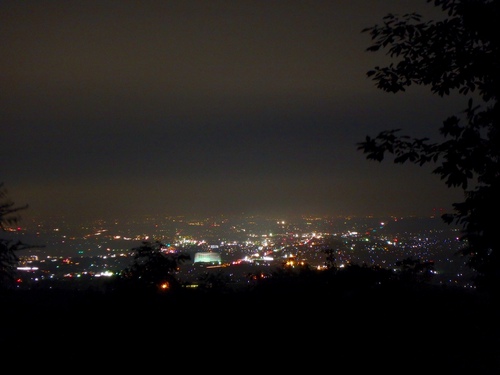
column 364, row 318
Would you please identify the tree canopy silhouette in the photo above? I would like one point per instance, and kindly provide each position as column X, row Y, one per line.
column 152, row 269
column 8, row 247
column 456, row 54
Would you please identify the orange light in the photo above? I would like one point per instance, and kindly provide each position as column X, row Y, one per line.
column 165, row 285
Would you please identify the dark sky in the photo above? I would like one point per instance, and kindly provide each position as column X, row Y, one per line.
column 112, row 108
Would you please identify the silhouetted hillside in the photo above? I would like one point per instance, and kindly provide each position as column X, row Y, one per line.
column 296, row 323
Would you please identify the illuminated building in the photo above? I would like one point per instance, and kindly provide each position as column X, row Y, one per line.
column 207, row 258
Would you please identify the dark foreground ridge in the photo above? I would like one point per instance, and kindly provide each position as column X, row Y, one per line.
column 275, row 327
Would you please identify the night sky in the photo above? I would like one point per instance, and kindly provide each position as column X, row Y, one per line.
column 122, row 108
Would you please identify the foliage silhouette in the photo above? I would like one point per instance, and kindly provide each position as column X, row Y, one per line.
column 415, row 270
column 457, row 54
column 215, row 281
column 152, row 269
column 330, row 260
column 8, row 247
